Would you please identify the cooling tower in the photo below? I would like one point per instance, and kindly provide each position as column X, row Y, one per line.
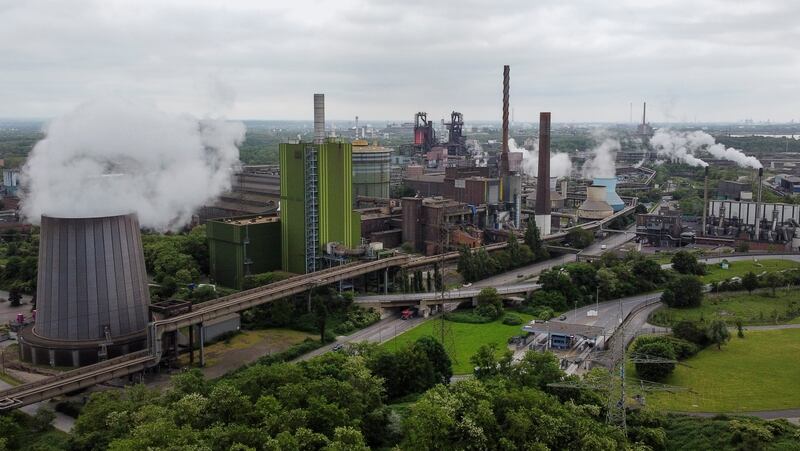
column 595, row 205
column 611, row 192
column 92, row 296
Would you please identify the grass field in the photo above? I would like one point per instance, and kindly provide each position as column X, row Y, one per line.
column 257, row 342
column 740, row 268
column 758, row 372
column 752, row 309
column 467, row 338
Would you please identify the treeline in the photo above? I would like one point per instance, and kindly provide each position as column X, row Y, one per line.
column 609, row 277
column 477, row 264
column 178, row 261
column 21, row 254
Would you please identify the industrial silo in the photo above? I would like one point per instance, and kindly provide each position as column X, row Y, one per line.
column 372, row 170
column 595, row 206
column 92, row 295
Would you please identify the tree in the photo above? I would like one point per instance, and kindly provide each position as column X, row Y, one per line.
column 607, row 283
column 43, row 418
column 321, row 316
column 534, row 241
column 685, row 262
column 655, row 371
column 773, row 280
column 580, row 238
column 750, row 282
column 718, row 333
column 14, row 296
column 537, row 369
column 739, row 329
column 689, row 331
column 683, row 291
column 548, row 298
column 437, row 354
column 489, row 303
column 487, row 364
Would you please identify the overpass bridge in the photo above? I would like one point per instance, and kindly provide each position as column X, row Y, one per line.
column 136, row 362
column 433, row 298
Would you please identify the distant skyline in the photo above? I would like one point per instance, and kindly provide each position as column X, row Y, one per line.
column 585, row 61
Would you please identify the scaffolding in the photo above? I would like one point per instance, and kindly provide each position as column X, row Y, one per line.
column 311, row 209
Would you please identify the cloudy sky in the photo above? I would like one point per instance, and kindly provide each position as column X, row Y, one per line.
column 386, row 59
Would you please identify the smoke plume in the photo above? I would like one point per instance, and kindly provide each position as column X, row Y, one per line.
column 602, row 160
column 682, row 147
column 560, row 163
column 115, row 156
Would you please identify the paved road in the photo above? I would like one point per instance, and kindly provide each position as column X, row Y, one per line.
column 61, row 422
column 615, row 239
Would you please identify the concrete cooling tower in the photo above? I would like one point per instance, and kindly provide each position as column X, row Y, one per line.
column 91, row 296
column 595, row 206
column 612, row 197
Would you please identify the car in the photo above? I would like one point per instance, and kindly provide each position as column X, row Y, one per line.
column 519, row 276
column 603, row 247
column 562, row 317
column 337, row 347
column 467, row 285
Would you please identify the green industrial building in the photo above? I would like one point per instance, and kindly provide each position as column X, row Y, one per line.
column 243, row 246
column 316, row 202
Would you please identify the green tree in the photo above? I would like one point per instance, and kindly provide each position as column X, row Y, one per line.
column 580, row 238
column 684, row 291
column 773, row 280
column 739, row 329
column 750, row 282
column 691, row 332
column 607, row 282
column 489, row 303
column 685, row 262
column 655, row 350
column 320, row 316
column 43, row 419
column 534, row 241
column 718, row 333
column 14, row 296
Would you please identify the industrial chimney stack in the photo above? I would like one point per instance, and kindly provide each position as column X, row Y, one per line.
column 543, row 177
column 504, row 166
column 319, row 118
column 705, row 203
column 758, row 204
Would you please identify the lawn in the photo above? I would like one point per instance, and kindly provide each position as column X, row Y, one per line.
column 250, row 344
column 752, row 309
column 467, row 338
column 758, row 372
column 740, row 268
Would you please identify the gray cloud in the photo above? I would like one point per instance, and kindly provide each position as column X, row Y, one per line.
column 583, row 60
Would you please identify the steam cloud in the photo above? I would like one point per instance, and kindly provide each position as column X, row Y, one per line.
column 602, row 161
column 114, row 156
column 681, row 147
column 560, row 163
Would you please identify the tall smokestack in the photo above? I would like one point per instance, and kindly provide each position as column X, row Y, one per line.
column 504, row 156
column 705, row 202
column 543, row 177
column 644, row 114
column 319, row 118
column 758, row 203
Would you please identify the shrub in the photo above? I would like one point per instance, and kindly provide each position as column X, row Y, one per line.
column 683, row 291
column 512, row 320
column 471, row 317
column 691, row 332
column 655, row 371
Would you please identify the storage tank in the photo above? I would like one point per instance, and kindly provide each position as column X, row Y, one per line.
column 92, row 296
column 611, row 192
column 372, row 171
column 595, row 205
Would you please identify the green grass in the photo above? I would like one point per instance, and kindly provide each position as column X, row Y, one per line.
column 8, row 379
column 740, row 268
column 752, row 309
column 467, row 338
column 758, row 372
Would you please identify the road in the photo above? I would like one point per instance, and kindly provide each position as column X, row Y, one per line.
column 615, row 239
column 455, row 294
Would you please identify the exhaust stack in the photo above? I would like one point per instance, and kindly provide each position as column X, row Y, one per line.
column 543, row 177
column 319, row 118
column 504, row 167
column 705, row 202
column 758, row 204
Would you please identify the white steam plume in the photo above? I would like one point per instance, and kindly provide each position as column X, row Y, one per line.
column 682, row 147
column 115, row 156
column 560, row 163
column 603, row 160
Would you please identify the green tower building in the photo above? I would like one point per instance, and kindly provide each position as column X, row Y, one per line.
column 316, row 202
column 243, row 246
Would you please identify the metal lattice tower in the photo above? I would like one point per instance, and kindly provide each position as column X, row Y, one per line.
column 443, row 328
column 311, row 208
column 615, row 383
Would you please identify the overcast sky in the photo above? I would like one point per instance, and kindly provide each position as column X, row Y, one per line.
column 386, row 59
